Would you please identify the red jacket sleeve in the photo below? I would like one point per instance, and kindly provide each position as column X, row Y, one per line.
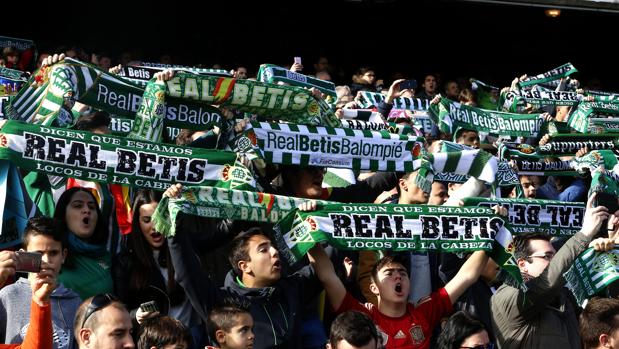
column 39, row 334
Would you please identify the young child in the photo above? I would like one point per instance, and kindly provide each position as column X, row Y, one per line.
column 231, row 327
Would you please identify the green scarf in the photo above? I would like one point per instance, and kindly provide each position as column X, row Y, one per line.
column 391, row 127
column 476, row 163
column 551, row 75
column 592, row 272
column 149, row 119
column 224, row 204
column 51, row 91
column 486, row 94
column 450, row 115
column 370, row 99
column 292, row 144
column 544, row 168
column 540, row 96
column 554, row 218
column 603, row 125
column 142, row 74
column 277, row 102
column 112, row 159
column 273, row 74
column 569, row 144
column 397, row 228
column 579, row 119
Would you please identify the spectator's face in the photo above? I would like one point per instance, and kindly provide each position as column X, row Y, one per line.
column 429, row 84
column 240, row 336
column 105, row 62
column 154, row 239
column 530, row 184
column 113, row 330
column 393, row 284
column 308, row 183
column 470, row 138
column 452, row 89
column 541, row 254
column 264, row 264
column 81, row 216
column 369, row 77
column 52, row 251
column 410, row 193
column 241, row 73
column 476, row 339
column 438, row 195
column 13, row 58
column 322, row 65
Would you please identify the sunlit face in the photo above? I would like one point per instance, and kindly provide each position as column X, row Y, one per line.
column 438, row 195
column 241, row 73
column 429, row 84
column 393, row 284
column 410, row 193
column 154, row 239
column 240, row 336
column 52, row 251
column 542, row 253
column 308, row 182
column 470, row 138
column 81, row 216
column 369, row 77
column 113, row 330
column 264, row 264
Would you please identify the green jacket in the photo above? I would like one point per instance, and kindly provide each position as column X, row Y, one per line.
column 543, row 316
column 88, row 275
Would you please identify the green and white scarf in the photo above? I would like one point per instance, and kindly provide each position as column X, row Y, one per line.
column 510, row 150
column 149, row 119
column 142, row 74
column 291, row 144
column 362, row 115
column 42, row 99
column 286, row 103
column 369, row 99
column 450, row 115
column 554, row 218
column 540, row 96
column 11, row 81
column 569, row 144
column 544, row 168
column 603, row 125
column 579, row 118
column 551, row 75
column 506, row 176
column 223, row 203
column 477, row 163
column 112, row 159
column 592, row 272
column 273, row 74
column 122, row 127
column 391, row 127
column 397, row 228
column 485, row 94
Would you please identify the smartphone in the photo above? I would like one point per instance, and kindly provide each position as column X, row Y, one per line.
column 149, row 307
column 297, row 60
column 29, row 262
column 607, row 200
column 408, row 84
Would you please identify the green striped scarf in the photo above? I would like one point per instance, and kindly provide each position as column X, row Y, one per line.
column 554, row 218
column 540, row 96
column 551, row 75
column 286, row 103
column 273, row 74
column 486, row 94
column 369, row 99
column 506, row 176
column 397, row 228
column 391, row 127
column 148, row 124
column 338, row 178
column 603, row 125
column 450, row 115
column 291, row 144
column 41, row 99
column 112, row 159
column 544, row 168
column 477, row 163
column 579, row 119
column 592, row 272
column 223, row 203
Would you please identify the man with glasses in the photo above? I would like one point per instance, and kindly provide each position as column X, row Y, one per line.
column 102, row 322
column 543, row 316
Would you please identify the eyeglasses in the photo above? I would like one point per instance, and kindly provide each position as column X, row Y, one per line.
column 546, row 255
column 481, row 346
column 98, row 302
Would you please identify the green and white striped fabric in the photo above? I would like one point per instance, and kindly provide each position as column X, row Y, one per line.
column 273, row 74
column 362, row 115
column 579, row 118
column 291, row 144
column 477, row 163
column 360, row 119
column 540, row 96
column 554, row 74
column 592, row 272
column 369, row 99
column 338, row 178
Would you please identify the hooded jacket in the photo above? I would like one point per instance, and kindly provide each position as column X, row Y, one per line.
column 15, row 303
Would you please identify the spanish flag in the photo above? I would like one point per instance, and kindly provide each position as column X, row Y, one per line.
column 223, row 89
column 267, row 200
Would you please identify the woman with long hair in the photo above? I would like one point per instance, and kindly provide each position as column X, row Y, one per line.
column 87, row 269
column 143, row 271
column 464, row 331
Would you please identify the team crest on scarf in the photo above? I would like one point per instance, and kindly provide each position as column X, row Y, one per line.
column 417, row 335
column 3, row 140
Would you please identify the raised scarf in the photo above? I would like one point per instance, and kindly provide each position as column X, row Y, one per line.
column 273, row 74
column 551, row 75
column 592, row 272
column 369, row 99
